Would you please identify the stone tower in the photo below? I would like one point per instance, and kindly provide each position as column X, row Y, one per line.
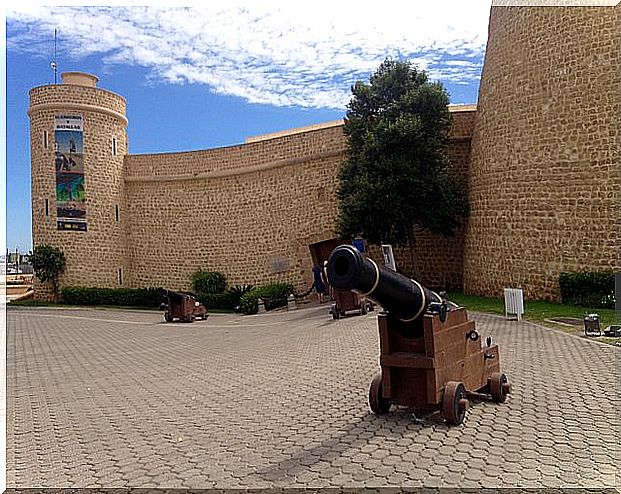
column 545, row 172
column 78, row 142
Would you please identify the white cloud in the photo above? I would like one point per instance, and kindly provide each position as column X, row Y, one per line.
column 294, row 53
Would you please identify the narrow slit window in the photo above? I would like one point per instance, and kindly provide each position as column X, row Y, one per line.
column 47, row 208
column 120, row 277
column 45, row 143
column 114, row 146
column 116, row 212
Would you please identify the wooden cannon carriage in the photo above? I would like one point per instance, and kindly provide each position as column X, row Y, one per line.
column 182, row 306
column 347, row 301
column 431, row 355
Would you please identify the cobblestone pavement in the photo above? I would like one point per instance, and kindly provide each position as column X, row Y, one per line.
column 102, row 398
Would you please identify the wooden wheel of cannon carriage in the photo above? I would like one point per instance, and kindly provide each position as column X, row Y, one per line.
column 379, row 405
column 335, row 312
column 454, row 402
column 499, row 387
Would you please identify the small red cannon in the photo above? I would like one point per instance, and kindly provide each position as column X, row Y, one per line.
column 347, row 301
column 182, row 306
column 431, row 355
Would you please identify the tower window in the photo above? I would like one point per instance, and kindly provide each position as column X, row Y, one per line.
column 116, row 212
column 120, row 277
column 45, row 143
column 47, row 208
column 114, row 146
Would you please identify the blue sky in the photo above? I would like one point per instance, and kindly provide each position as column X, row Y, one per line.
column 212, row 75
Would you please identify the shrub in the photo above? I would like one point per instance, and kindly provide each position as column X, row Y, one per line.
column 223, row 301
column 48, row 262
column 588, row 289
column 238, row 291
column 249, row 302
column 228, row 300
column 134, row 297
column 274, row 295
column 204, row 282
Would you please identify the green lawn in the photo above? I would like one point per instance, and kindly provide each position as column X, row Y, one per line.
column 539, row 311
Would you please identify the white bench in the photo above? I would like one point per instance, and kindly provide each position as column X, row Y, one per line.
column 514, row 302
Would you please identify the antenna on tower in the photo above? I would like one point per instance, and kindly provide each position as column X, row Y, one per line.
column 54, row 64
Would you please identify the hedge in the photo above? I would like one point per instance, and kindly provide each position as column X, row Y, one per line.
column 135, row 297
column 588, row 289
column 224, row 301
column 228, row 300
column 274, row 295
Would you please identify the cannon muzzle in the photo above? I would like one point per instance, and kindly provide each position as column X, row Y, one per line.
column 172, row 295
column 405, row 299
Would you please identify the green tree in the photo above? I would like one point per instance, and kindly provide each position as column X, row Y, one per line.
column 397, row 173
column 48, row 262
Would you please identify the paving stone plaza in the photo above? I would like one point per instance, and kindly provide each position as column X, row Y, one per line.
column 107, row 398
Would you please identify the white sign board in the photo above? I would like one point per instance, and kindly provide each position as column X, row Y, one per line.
column 389, row 258
column 68, row 122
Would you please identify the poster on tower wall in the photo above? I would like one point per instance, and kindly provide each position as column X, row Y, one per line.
column 69, row 157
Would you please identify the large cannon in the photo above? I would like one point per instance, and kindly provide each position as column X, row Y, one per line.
column 431, row 356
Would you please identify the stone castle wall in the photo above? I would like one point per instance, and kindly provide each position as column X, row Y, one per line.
column 545, row 174
column 249, row 211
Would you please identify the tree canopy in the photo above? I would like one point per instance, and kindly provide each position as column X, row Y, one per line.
column 397, row 173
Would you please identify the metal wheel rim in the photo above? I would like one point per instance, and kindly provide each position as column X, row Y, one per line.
column 497, row 390
column 377, row 402
column 453, row 393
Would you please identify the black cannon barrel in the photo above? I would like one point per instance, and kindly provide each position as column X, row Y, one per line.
column 402, row 297
column 171, row 294
column 163, row 292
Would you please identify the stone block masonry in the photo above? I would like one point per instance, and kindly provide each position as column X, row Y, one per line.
column 250, row 226
column 249, row 211
column 545, row 172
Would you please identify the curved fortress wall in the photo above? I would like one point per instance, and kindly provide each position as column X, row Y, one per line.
column 248, row 211
column 95, row 256
column 252, row 211
column 545, row 173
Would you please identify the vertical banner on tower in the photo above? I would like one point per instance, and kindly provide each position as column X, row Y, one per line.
column 70, row 196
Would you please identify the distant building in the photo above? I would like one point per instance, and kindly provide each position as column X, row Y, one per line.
column 16, row 263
